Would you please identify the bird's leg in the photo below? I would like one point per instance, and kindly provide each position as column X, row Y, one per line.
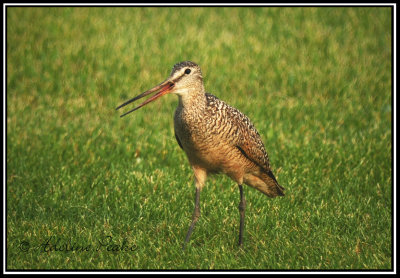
column 195, row 217
column 242, row 208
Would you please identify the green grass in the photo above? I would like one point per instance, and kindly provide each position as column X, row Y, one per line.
column 316, row 82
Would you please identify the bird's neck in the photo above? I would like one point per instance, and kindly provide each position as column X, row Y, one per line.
column 193, row 100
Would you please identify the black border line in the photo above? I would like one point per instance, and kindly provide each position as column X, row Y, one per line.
column 203, row 271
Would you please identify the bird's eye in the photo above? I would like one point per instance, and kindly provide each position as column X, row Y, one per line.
column 187, row 71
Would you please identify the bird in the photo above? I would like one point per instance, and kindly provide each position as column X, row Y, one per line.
column 216, row 137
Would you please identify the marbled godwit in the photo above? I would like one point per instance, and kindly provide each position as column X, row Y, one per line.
column 216, row 138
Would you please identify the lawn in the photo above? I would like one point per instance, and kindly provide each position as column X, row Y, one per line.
column 87, row 189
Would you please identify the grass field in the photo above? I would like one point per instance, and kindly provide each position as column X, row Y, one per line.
column 89, row 190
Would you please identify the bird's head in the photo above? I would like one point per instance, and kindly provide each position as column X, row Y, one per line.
column 185, row 78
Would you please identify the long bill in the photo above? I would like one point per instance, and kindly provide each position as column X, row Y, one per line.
column 163, row 88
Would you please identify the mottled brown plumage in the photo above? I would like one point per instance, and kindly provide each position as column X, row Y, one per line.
column 216, row 137
column 219, row 138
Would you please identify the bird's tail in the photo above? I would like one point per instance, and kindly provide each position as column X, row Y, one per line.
column 266, row 183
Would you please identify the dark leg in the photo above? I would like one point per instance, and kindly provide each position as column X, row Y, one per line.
column 195, row 217
column 242, row 207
